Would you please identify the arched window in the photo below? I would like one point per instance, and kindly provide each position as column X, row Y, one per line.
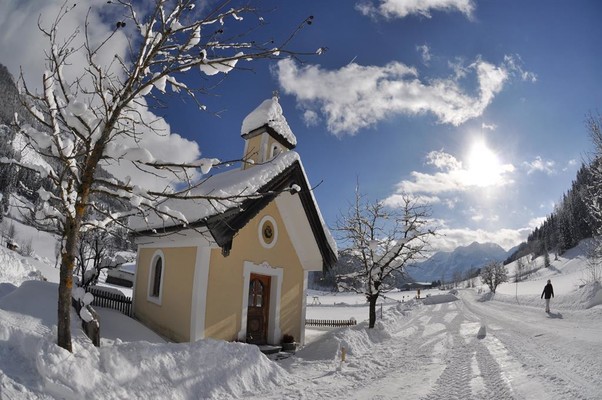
column 155, row 277
column 157, row 271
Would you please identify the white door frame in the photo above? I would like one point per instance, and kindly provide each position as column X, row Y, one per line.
column 274, row 332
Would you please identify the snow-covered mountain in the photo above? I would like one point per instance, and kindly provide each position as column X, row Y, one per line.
column 443, row 265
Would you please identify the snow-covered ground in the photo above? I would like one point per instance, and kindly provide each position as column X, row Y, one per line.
column 467, row 346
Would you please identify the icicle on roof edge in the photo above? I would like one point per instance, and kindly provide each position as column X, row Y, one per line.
column 269, row 113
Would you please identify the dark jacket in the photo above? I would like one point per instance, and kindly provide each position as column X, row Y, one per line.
column 548, row 291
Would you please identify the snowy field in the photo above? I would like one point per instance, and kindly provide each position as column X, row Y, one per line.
column 469, row 346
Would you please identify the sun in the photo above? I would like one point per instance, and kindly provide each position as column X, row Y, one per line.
column 483, row 167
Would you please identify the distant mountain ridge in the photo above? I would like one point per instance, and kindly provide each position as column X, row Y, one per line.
column 443, row 265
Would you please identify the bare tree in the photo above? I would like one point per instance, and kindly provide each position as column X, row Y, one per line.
column 520, row 269
column 593, row 268
column 99, row 117
column 470, row 277
column 385, row 241
column 96, row 251
column 594, row 189
column 493, row 275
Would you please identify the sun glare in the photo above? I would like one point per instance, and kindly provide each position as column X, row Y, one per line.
column 483, row 166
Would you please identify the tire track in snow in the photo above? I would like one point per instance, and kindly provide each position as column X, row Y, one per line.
column 495, row 384
column 471, row 371
column 454, row 382
column 560, row 368
column 562, row 377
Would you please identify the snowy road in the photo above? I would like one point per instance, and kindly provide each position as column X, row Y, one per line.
column 464, row 349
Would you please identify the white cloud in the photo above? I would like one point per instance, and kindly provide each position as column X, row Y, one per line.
column 451, row 202
column 482, row 215
column 425, row 52
column 443, row 160
column 397, row 200
column 540, row 165
column 570, row 164
column 491, row 127
column 356, row 96
column 449, row 239
column 477, row 217
column 311, row 118
column 18, row 24
column 453, row 178
column 403, row 8
column 162, row 145
column 535, row 222
column 514, row 64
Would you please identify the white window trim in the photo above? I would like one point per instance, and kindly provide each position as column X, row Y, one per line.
column 274, row 331
column 260, row 232
column 304, row 307
column 156, row 299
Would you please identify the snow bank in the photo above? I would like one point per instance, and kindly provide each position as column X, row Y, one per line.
column 586, row 296
column 138, row 369
column 357, row 340
column 15, row 269
column 206, row 369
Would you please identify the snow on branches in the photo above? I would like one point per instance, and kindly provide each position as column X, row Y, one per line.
column 384, row 242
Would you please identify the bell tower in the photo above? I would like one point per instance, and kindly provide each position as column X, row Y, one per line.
column 266, row 133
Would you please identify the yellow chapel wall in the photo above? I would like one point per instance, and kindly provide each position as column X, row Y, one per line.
column 172, row 317
column 225, row 289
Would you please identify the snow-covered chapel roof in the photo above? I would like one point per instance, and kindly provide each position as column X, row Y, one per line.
column 251, row 189
column 269, row 114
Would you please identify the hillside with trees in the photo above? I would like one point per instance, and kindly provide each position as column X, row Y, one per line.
column 577, row 215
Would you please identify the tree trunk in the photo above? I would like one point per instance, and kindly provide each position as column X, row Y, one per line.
column 372, row 298
column 68, row 258
column 66, row 284
column 73, row 224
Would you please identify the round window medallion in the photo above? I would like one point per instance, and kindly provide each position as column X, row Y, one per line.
column 268, row 232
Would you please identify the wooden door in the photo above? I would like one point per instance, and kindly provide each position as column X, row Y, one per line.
column 259, row 309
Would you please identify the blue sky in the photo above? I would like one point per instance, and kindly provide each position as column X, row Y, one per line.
column 478, row 107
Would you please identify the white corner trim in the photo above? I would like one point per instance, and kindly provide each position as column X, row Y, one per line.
column 135, row 287
column 151, row 275
column 245, row 155
column 274, row 331
column 264, row 146
column 260, row 232
column 199, row 293
column 303, row 307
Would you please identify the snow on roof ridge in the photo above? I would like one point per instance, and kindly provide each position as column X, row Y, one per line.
column 231, row 183
column 269, row 112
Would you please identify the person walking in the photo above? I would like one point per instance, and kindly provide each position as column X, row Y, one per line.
column 548, row 293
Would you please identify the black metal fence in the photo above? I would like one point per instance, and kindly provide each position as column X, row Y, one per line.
column 334, row 323
column 115, row 301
